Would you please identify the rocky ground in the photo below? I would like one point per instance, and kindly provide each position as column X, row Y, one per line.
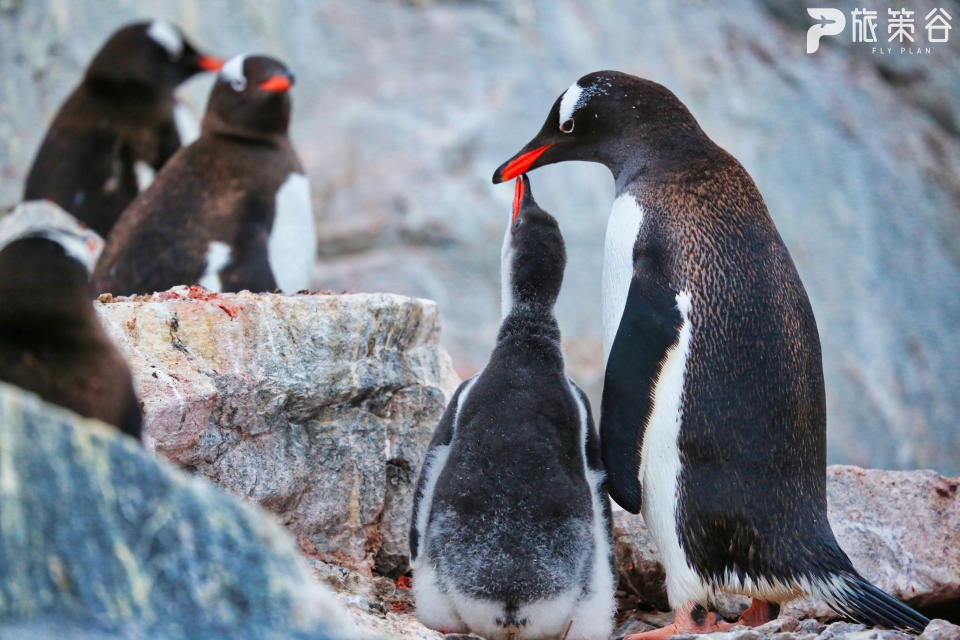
column 318, row 408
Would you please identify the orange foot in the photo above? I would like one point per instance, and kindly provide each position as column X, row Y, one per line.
column 692, row 618
column 759, row 612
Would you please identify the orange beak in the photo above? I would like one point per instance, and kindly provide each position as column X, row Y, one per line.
column 518, row 190
column 210, row 63
column 277, row 83
column 520, row 165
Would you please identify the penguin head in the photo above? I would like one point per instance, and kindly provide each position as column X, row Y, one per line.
column 148, row 54
column 40, row 230
column 533, row 256
column 251, row 96
column 612, row 118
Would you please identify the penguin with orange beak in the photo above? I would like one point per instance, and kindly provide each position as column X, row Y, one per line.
column 119, row 126
column 713, row 417
column 231, row 211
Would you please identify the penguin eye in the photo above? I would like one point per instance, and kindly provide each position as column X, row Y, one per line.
column 238, row 84
column 567, row 126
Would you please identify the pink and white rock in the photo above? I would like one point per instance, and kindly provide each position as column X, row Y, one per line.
column 317, row 407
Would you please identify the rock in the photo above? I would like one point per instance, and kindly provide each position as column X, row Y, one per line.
column 632, row 626
column 641, row 575
column 940, row 630
column 873, row 634
column 842, row 144
column 901, row 530
column 380, row 607
column 99, row 539
column 317, row 407
column 839, row 629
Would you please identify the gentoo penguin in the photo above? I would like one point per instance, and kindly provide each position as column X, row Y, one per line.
column 229, row 212
column 713, row 418
column 119, row 126
column 511, row 534
column 51, row 342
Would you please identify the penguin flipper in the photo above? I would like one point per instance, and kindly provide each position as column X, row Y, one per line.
column 442, row 437
column 648, row 328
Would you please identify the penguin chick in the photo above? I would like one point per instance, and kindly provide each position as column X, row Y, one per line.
column 511, row 532
column 229, row 212
column 119, row 126
column 51, row 342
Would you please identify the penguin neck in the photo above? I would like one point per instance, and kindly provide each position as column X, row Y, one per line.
column 215, row 125
column 128, row 92
column 643, row 157
column 530, row 323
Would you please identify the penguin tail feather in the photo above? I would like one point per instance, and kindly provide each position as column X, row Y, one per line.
column 850, row 595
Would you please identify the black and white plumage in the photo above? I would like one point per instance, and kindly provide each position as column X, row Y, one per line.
column 231, row 211
column 713, row 421
column 51, row 342
column 511, row 525
column 119, row 126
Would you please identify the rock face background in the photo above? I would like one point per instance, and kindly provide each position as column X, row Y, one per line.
column 318, row 407
column 403, row 110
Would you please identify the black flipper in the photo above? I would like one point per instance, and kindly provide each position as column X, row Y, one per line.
column 648, row 328
column 442, row 436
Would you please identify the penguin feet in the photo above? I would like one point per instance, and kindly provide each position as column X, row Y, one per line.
column 759, row 612
column 692, row 618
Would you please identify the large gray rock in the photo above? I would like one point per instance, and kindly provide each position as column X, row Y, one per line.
column 901, row 530
column 318, row 407
column 403, row 109
column 98, row 539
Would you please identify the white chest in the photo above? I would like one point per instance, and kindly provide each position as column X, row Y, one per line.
column 218, row 257
column 292, row 246
column 144, row 174
column 187, row 126
column 623, row 226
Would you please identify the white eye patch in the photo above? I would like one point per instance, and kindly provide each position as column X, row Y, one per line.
column 164, row 34
column 232, row 72
column 576, row 97
column 568, row 104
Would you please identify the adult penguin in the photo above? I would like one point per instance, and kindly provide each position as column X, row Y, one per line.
column 51, row 341
column 231, row 211
column 119, row 126
column 713, row 419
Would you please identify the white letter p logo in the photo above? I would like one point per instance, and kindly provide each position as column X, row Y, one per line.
column 832, row 22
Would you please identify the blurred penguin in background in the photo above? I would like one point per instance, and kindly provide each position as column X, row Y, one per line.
column 51, row 342
column 119, row 126
column 229, row 212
